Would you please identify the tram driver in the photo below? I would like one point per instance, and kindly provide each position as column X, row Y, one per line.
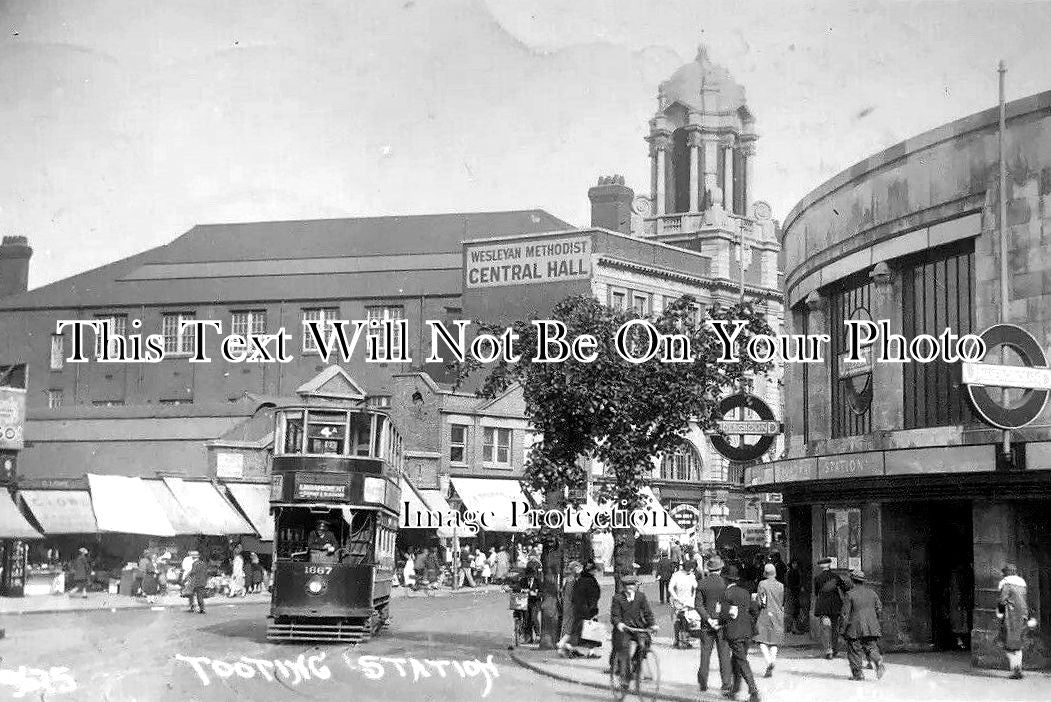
column 322, row 543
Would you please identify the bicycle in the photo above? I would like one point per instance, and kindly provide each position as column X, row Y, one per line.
column 518, row 603
column 645, row 671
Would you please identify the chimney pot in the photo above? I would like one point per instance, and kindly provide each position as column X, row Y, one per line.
column 611, row 204
column 14, row 265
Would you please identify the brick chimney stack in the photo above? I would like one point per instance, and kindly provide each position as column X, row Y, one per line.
column 611, row 204
column 14, row 265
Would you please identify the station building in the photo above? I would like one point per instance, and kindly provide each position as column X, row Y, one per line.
column 888, row 467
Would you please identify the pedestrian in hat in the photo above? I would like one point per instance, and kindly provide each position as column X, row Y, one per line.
column 81, row 573
column 195, row 582
column 569, row 580
column 828, row 603
column 1013, row 613
column 860, row 626
column 737, row 611
column 710, row 590
column 630, row 610
column 771, row 623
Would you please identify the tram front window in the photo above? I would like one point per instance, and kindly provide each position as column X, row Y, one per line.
column 360, row 428
column 293, row 432
column 325, row 432
column 304, row 535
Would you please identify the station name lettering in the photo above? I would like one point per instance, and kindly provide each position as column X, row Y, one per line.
column 387, row 341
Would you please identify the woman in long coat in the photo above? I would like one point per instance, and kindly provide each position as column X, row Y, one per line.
column 770, row 625
column 566, row 601
column 586, row 593
column 503, row 565
column 1014, row 617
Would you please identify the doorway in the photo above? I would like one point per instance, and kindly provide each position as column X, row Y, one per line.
column 951, row 582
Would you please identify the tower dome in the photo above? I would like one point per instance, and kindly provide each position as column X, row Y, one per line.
column 703, row 86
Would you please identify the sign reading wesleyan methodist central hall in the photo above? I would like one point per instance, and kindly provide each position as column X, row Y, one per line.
column 513, row 262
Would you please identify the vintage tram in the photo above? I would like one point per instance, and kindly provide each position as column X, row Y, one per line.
column 334, row 497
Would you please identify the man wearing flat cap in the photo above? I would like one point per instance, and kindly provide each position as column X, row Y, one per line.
column 828, row 602
column 710, row 590
column 860, row 626
column 737, row 612
column 630, row 610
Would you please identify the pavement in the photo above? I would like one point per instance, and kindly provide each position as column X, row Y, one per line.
column 103, row 601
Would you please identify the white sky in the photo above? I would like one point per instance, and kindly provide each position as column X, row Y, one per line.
column 125, row 122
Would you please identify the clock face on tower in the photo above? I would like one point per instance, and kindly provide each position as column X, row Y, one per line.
column 641, row 206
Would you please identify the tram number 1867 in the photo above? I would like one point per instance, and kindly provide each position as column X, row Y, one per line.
column 318, row 570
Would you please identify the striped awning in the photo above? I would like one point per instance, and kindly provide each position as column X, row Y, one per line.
column 208, row 510
column 254, row 501
column 12, row 524
column 126, row 505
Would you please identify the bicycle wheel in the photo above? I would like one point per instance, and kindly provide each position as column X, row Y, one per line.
column 648, row 678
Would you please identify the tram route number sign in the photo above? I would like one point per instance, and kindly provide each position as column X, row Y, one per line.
column 1034, row 377
column 766, row 428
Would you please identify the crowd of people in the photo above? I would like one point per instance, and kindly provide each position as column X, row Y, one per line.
column 436, row 566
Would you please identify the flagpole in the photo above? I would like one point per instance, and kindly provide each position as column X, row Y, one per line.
column 1002, row 70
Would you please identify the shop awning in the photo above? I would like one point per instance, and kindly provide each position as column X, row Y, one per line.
column 437, row 503
column 177, row 516
column 211, row 513
column 254, row 501
column 12, row 524
column 61, row 511
column 126, row 505
column 659, row 523
column 495, row 496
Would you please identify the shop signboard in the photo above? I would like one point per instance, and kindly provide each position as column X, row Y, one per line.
column 530, row 261
column 685, row 516
column 12, row 417
column 229, row 465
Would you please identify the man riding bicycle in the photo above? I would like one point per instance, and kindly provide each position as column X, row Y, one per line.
column 630, row 610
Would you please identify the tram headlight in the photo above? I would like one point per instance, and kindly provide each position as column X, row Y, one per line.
column 315, row 586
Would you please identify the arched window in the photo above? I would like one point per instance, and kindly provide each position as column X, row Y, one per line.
column 683, row 465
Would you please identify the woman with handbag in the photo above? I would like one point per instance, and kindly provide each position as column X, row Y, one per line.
column 1013, row 613
column 585, row 599
column 566, row 601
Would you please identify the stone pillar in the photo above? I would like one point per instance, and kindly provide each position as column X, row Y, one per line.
column 819, row 393
column 887, row 378
column 695, row 165
column 661, row 144
column 993, row 524
column 728, row 176
column 747, row 152
column 710, row 162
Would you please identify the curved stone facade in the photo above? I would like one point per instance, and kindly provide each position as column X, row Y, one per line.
column 888, row 465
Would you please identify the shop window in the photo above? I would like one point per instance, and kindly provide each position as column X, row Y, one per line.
column 843, row 537
column 58, row 351
column 496, row 446
column 54, row 398
column 457, row 443
column 325, row 315
column 117, row 327
column 177, row 339
column 381, row 314
column 937, row 293
column 851, row 396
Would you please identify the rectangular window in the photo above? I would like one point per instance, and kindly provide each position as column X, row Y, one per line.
column 843, row 537
column 457, row 443
column 54, row 398
column 118, row 326
column 58, row 351
column 177, row 340
column 496, row 446
column 248, row 324
column 640, row 303
column 851, row 382
column 379, row 333
column 802, row 315
column 937, row 293
column 618, row 299
column 180, row 401
column 317, row 314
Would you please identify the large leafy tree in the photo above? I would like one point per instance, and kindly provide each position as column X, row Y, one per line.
column 609, row 409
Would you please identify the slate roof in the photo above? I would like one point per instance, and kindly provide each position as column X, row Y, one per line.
column 228, row 251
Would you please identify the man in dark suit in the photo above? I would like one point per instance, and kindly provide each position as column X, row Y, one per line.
column 860, row 626
column 828, row 602
column 665, row 569
column 710, row 590
column 630, row 608
column 737, row 613
column 195, row 582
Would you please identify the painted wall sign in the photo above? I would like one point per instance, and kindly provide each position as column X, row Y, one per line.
column 12, row 417
column 854, row 465
column 530, row 261
column 229, row 465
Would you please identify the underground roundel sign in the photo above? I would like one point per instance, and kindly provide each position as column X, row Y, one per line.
column 766, row 428
column 1033, row 376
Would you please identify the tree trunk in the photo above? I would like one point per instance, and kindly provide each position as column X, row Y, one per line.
column 550, row 621
column 623, row 555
